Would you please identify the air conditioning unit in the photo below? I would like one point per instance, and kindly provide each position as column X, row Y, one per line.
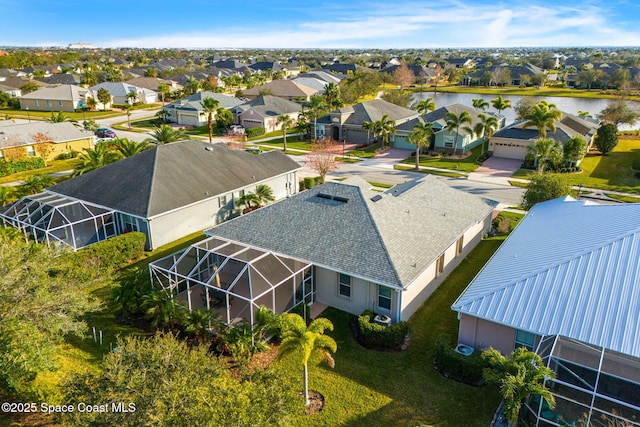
column 381, row 319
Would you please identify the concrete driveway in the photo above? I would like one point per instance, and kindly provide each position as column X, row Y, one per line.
column 499, row 167
column 387, row 159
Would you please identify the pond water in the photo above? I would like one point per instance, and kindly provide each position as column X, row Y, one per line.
column 566, row 104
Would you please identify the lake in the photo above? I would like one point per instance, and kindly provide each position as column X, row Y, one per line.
column 566, row 104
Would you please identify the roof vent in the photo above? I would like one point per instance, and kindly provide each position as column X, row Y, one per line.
column 376, row 198
column 331, row 197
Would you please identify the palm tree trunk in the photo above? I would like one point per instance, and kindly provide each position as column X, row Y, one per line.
column 417, row 157
column 284, row 140
column 306, row 386
column 210, row 125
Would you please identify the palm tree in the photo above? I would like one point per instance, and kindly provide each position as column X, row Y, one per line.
column 162, row 309
column 521, row 375
column 163, row 115
column 127, row 108
column 250, row 201
column 544, row 150
column 128, row 148
column 199, row 322
column 36, row 183
column 480, row 104
column 284, row 121
column 209, row 106
column 317, row 106
column 485, row 128
column 6, row 195
column 369, row 127
column 424, row 106
column 500, row 104
column 384, row 127
column 95, row 158
column 164, row 90
column 132, row 96
column 264, row 193
column 332, row 95
column 191, row 86
column 543, row 116
column 58, row 117
column 454, row 121
column 164, row 135
column 421, row 136
column 91, row 103
column 303, row 340
column 266, row 322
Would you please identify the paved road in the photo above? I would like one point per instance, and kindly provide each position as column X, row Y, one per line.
column 135, row 115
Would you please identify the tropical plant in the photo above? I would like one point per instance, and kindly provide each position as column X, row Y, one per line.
column 165, row 134
column 264, row 193
column 500, row 104
column 162, row 309
column 543, row 187
column 90, row 125
column 317, row 106
column 128, row 148
column 132, row 97
column 545, row 150
column 200, row 322
column 284, row 121
column 95, row 158
column 163, row 115
column 164, row 90
column 224, row 118
column 425, row 105
column 133, row 284
column 606, row 138
column 421, row 137
column 303, row 341
column 36, row 183
column 192, row 85
column 266, row 322
column 543, row 116
column 58, row 117
column 249, row 200
column 479, row 103
column 454, row 122
column 369, row 127
column 104, row 97
column 519, row 376
column 332, row 95
column 574, row 149
column 383, row 128
column 91, row 103
column 485, row 128
column 6, row 195
column 127, row 108
column 209, row 107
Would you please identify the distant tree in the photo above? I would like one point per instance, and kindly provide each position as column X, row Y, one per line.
column 524, row 106
column 574, row 149
column 88, row 78
column 132, row 97
column 164, row 90
column 502, row 76
column 322, row 158
column 538, row 79
column 403, row 76
column 620, row 78
column 421, row 137
column 58, row 117
column 479, row 103
column 163, row 115
column 618, row 112
column 500, row 104
column 151, row 72
column 285, row 122
column 34, row 184
column 224, row 119
column 209, row 107
column 95, row 158
column 43, row 145
column 165, row 134
column 606, row 138
column 91, row 103
column 332, row 95
column 454, row 122
column 29, row 87
column 303, row 341
column 383, row 128
column 317, row 106
column 543, row 187
column 398, row 97
column 425, row 105
column 191, row 86
column 589, row 76
column 519, row 376
column 104, row 97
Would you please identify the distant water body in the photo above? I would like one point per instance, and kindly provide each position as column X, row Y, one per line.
column 566, row 104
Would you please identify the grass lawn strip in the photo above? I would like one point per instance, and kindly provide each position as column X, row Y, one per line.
column 430, row 171
column 467, row 164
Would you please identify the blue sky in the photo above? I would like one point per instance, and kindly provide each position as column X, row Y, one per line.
column 320, row 24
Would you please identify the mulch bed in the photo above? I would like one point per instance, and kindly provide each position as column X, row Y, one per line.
column 316, row 402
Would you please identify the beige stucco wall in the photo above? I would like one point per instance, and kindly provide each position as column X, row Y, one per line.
column 364, row 294
column 58, row 148
column 481, row 334
column 250, row 118
column 426, row 283
column 66, row 106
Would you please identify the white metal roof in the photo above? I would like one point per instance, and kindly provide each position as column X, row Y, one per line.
column 570, row 268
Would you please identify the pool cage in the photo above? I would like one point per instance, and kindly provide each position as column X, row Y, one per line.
column 594, row 386
column 59, row 220
column 234, row 279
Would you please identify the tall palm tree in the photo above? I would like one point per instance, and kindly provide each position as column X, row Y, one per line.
column 543, row 116
column 317, row 105
column 384, row 127
column 95, row 158
column 421, row 136
column 369, row 127
column 454, row 122
column 209, row 106
column 487, row 125
column 500, row 104
column 128, row 148
column 480, row 104
column 424, row 106
column 544, row 150
column 521, row 375
column 132, row 97
column 284, row 121
column 332, row 95
column 264, row 193
column 164, row 135
column 164, row 90
column 127, row 108
column 303, row 340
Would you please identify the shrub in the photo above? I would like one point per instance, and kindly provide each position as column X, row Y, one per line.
column 256, row 131
column 635, row 164
column 113, row 253
column 637, row 174
column 466, row 369
column 309, row 182
column 378, row 336
column 20, row 165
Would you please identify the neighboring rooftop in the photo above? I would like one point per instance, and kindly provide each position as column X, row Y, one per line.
column 19, row 134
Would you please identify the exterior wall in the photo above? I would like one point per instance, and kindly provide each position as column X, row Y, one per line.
column 251, row 119
column 356, row 135
column 464, row 142
column 427, row 282
column 58, row 148
column 481, row 334
column 509, row 148
column 189, row 118
column 43, row 105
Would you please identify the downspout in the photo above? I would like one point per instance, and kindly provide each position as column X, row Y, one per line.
column 397, row 316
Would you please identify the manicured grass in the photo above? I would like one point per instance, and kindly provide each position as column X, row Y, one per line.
column 45, row 115
column 467, row 164
column 626, row 199
column 366, row 152
column 52, row 166
column 347, row 159
column 530, row 91
column 370, row 388
column 429, row 171
column 518, row 183
column 293, row 142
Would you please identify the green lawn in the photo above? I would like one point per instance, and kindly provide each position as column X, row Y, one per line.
column 370, row 388
column 294, row 142
column 366, row 152
column 52, row 166
column 529, row 91
column 612, row 172
column 45, row 115
column 429, row 171
column 467, row 164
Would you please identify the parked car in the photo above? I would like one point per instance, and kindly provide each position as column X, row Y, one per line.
column 105, row 133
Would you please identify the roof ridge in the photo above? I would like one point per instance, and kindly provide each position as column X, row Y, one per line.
column 152, row 180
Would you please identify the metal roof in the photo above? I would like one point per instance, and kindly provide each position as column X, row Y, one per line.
column 570, row 268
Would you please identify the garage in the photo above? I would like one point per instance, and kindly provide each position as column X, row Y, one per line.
column 509, row 149
column 188, row 119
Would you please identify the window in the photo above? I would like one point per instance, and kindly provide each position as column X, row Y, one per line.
column 459, row 245
column 440, row 265
column 222, row 200
column 31, row 152
column 384, row 297
column 60, row 103
column 48, row 103
column 525, row 339
column 344, row 286
column 36, row 102
column 448, row 141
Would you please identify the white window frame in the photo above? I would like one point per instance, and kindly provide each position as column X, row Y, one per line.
column 389, row 298
column 344, row 285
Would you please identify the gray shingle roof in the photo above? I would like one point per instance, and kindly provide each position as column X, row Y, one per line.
column 20, row 134
column 389, row 241
column 269, row 106
column 58, row 93
column 194, row 102
column 371, row 111
column 174, row 175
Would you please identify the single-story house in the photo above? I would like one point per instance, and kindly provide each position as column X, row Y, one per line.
column 346, row 123
column 11, row 91
column 565, row 284
column 67, row 98
column 286, row 89
column 264, row 111
column 21, row 139
column 152, row 83
column 339, row 244
column 120, row 93
column 513, row 141
column 189, row 111
column 167, row 192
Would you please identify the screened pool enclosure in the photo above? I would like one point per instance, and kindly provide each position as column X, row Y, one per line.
column 58, row 220
column 234, row 279
column 593, row 386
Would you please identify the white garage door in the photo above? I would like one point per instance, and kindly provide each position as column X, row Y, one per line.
column 188, row 119
column 509, row 151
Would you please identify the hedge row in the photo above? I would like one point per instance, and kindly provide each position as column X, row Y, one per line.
column 310, row 182
column 21, row 165
column 256, row 131
column 466, row 369
column 374, row 335
column 113, row 253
